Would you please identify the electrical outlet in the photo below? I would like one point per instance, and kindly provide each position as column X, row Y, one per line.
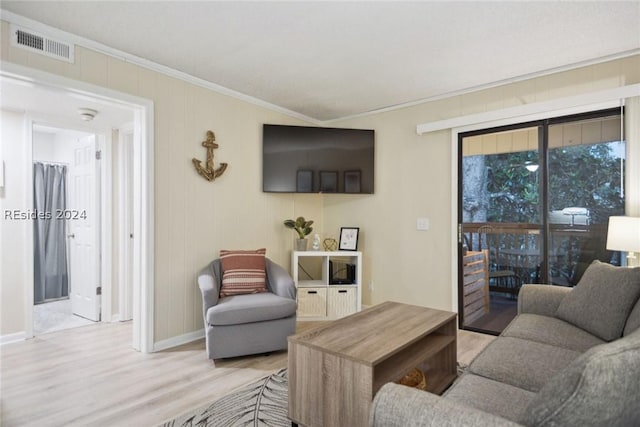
column 371, row 286
column 422, row 224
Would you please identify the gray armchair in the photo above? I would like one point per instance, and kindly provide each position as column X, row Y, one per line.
column 247, row 324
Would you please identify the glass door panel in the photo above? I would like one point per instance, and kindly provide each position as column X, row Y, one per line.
column 534, row 206
column 501, row 224
column 586, row 169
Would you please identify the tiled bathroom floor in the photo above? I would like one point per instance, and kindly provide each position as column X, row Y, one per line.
column 56, row 316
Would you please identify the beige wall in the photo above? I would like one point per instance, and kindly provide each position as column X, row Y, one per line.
column 12, row 231
column 413, row 179
column 194, row 219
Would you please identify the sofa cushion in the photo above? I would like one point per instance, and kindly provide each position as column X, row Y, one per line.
column 602, row 300
column 549, row 330
column 600, row 388
column 240, row 309
column 243, row 272
column 525, row 364
column 633, row 321
column 490, row 396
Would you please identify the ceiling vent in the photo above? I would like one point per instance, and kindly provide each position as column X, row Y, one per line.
column 27, row 39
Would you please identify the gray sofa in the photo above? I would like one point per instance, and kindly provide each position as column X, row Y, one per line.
column 570, row 358
column 247, row 324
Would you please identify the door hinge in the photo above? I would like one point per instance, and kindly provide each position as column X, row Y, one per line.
column 459, row 233
column 98, row 154
column 99, row 290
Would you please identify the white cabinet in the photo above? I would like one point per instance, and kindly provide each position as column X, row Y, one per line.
column 329, row 283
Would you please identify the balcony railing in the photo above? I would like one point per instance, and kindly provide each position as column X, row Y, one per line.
column 516, row 247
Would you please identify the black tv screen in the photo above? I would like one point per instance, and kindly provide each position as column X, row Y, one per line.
column 299, row 159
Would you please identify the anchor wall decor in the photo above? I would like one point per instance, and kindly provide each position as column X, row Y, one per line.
column 208, row 172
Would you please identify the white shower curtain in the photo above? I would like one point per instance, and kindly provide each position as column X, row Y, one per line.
column 51, row 278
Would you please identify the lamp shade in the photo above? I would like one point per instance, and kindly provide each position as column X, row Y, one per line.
column 623, row 234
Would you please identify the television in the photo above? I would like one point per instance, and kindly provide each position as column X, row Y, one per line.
column 300, row 159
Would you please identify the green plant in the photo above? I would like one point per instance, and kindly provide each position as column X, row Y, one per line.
column 300, row 226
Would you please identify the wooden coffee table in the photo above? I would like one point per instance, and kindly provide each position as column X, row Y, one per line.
column 336, row 368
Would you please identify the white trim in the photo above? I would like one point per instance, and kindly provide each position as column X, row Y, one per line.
column 124, row 209
column 106, row 225
column 15, row 337
column 557, row 107
column 28, row 274
column 178, row 340
column 145, row 216
column 454, row 221
column 162, row 69
column 144, row 116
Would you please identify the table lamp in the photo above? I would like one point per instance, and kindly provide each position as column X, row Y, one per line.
column 624, row 235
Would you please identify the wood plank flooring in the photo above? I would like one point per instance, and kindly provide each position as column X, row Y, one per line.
column 91, row 376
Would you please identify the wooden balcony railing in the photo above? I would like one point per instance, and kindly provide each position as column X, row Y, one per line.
column 517, row 247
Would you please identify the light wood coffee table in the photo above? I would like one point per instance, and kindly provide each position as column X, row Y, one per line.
column 336, row 369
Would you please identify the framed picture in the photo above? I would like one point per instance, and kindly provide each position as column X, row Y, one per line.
column 349, row 238
column 328, row 181
column 304, row 181
column 352, row 181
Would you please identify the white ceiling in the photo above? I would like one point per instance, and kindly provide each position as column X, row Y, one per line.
column 329, row 60
column 50, row 105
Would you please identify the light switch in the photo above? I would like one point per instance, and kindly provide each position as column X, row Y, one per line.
column 423, row 224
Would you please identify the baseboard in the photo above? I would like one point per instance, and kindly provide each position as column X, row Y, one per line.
column 179, row 340
column 9, row 338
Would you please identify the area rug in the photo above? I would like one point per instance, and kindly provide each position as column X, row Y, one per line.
column 262, row 403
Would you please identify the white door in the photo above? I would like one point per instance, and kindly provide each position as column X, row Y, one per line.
column 84, row 229
column 126, row 224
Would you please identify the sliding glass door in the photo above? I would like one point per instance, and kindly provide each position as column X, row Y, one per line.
column 534, row 200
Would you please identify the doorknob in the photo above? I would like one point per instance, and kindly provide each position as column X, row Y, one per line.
column 73, row 236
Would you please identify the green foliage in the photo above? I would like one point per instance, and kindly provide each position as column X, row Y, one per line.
column 584, row 176
column 587, row 176
column 512, row 189
column 300, row 226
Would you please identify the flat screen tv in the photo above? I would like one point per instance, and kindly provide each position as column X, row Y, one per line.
column 299, row 159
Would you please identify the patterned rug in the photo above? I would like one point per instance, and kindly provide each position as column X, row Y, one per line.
column 262, row 403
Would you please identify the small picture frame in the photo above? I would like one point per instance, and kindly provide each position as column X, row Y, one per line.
column 328, row 181
column 349, row 238
column 304, row 181
column 352, row 182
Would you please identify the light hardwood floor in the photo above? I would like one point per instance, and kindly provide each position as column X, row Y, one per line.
column 91, row 376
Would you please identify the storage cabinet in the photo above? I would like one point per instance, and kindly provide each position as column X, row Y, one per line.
column 329, row 283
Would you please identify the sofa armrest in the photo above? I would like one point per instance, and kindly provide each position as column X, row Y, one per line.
column 541, row 299
column 209, row 284
column 396, row 405
column 280, row 282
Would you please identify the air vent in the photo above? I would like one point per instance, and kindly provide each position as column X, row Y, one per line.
column 35, row 42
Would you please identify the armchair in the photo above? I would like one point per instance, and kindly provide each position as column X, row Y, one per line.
column 247, row 324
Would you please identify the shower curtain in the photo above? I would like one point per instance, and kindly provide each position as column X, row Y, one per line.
column 51, row 278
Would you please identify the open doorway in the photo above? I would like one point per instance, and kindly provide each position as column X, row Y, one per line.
column 41, row 98
column 67, row 229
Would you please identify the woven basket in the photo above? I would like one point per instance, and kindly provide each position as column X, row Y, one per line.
column 415, row 379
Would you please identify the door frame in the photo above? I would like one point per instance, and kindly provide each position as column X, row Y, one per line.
column 143, row 189
column 125, row 291
column 526, row 113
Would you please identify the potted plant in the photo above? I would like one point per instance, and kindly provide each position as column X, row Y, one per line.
column 303, row 228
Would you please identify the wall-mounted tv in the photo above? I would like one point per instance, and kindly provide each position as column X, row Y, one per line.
column 300, row 159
